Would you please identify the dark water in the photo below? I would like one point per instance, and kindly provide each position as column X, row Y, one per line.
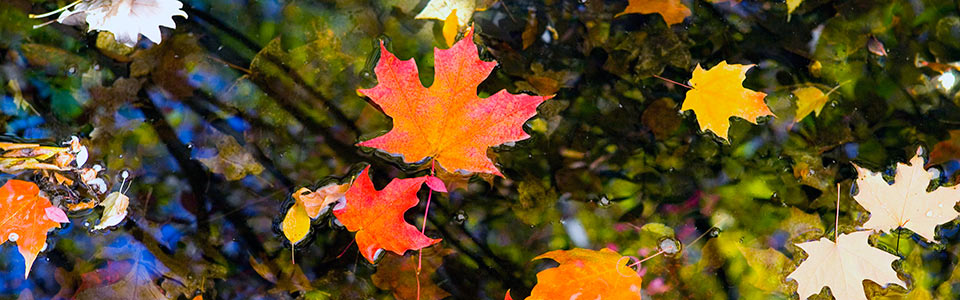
column 247, row 101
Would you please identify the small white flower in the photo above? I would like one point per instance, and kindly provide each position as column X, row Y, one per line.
column 126, row 19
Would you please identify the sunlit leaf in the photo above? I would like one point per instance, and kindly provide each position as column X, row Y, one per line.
column 447, row 121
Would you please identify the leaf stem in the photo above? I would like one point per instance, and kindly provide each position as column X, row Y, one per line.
column 33, row 16
column 836, row 226
column 423, row 228
column 674, row 82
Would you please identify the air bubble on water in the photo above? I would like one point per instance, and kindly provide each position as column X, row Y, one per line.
column 190, row 146
column 86, row 224
column 604, row 202
column 460, row 217
column 714, row 232
column 669, row 246
column 13, row 237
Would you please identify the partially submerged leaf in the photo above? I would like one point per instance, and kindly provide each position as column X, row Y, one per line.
column 906, row 203
column 718, row 94
column 447, row 121
column 127, row 279
column 947, row 150
column 26, row 218
column 231, row 160
column 809, row 99
column 377, row 216
column 769, row 268
column 673, row 11
column 843, row 266
column 586, row 274
column 398, row 274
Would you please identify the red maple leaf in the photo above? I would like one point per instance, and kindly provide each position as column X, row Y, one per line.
column 447, row 121
column 25, row 218
column 377, row 216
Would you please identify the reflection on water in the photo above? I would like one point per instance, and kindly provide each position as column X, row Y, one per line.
column 244, row 103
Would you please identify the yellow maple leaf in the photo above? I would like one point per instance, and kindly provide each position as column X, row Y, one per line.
column 843, row 266
column 906, row 203
column 718, row 94
column 673, row 11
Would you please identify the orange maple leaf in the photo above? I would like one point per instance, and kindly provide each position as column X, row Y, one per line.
column 447, row 121
column 27, row 217
column 377, row 216
column 673, row 11
column 718, row 94
column 586, row 274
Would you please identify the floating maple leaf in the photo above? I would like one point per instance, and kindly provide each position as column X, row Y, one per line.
column 377, row 216
column 586, row 274
column 843, row 266
column 906, row 203
column 673, row 11
column 27, row 217
column 718, row 94
column 447, row 121
column 126, row 19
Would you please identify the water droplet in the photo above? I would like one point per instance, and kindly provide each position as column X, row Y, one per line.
column 13, row 237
